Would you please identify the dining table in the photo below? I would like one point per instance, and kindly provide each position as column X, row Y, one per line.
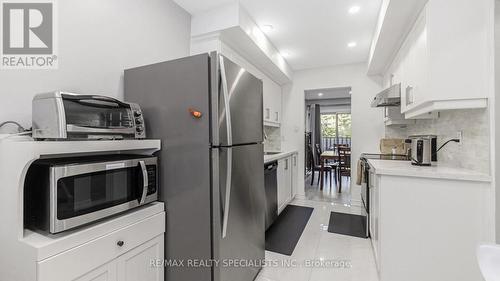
column 326, row 155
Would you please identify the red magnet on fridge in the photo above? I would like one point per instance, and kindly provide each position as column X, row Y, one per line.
column 195, row 113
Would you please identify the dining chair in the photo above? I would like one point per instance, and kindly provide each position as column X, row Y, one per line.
column 344, row 168
column 328, row 165
column 337, row 145
column 316, row 165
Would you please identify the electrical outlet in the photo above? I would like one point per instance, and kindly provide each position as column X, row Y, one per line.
column 460, row 137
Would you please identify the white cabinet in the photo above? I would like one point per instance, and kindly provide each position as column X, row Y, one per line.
column 124, row 254
column 295, row 174
column 414, row 65
column 136, row 264
column 132, row 266
column 410, row 68
column 272, row 103
column 284, row 175
column 460, row 42
column 106, row 272
column 419, row 237
column 375, row 216
column 444, row 61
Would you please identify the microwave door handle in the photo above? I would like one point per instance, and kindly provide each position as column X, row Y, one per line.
column 95, row 97
column 145, row 182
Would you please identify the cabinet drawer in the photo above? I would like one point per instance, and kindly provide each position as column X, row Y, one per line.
column 77, row 261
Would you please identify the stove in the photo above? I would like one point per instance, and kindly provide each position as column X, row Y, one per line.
column 365, row 183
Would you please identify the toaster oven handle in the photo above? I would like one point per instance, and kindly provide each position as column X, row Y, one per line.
column 95, row 97
column 144, row 181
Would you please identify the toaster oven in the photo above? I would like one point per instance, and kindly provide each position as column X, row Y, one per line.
column 68, row 116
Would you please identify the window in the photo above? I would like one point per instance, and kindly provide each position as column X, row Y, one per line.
column 335, row 129
column 344, row 125
column 329, row 125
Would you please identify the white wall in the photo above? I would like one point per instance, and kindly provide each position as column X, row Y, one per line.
column 495, row 119
column 335, row 109
column 97, row 41
column 367, row 122
column 474, row 151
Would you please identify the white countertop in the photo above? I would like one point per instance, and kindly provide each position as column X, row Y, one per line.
column 405, row 168
column 273, row 157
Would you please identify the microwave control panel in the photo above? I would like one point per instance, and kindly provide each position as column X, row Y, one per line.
column 151, row 179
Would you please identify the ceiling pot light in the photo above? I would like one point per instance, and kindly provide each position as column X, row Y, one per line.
column 267, row 27
column 352, row 44
column 354, row 10
column 320, row 94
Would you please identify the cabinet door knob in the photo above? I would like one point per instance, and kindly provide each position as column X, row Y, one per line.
column 120, row 243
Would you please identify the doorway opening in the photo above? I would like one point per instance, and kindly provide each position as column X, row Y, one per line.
column 328, row 144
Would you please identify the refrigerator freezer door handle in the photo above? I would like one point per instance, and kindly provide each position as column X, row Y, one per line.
column 227, row 108
column 228, row 191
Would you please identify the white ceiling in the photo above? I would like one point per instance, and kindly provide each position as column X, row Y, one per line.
column 314, row 33
column 196, row 6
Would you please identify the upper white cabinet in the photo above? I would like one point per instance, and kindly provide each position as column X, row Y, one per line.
column 271, row 89
column 445, row 59
column 272, row 103
column 411, row 67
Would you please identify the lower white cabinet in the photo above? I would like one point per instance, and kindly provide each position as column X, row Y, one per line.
column 126, row 254
column 375, row 216
column 137, row 263
column 134, row 265
column 295, row 173
column 106, row 272
column 284, row 188
column 285, row 175
column 418, row 237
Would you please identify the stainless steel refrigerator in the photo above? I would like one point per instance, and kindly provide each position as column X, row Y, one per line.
column 207, row 111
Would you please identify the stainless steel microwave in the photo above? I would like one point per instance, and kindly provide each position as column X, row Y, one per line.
column 61, row 194
column 68, row 116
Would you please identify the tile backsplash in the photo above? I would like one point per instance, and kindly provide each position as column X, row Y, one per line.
column 272, row 139
column 474, row 151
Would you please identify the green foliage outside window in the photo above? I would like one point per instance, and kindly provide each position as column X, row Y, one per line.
column 329, row 125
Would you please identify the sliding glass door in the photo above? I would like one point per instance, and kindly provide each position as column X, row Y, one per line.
column 335, row 129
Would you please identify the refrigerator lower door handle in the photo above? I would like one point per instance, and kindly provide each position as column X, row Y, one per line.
column 227, row 104
column 227, row 199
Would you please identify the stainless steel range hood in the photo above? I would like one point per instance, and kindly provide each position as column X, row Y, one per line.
column 388, row 97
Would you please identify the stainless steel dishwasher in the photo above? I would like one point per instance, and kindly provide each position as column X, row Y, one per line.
column 271, row 186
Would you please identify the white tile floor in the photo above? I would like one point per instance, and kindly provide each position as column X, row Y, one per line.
column 319, row 246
